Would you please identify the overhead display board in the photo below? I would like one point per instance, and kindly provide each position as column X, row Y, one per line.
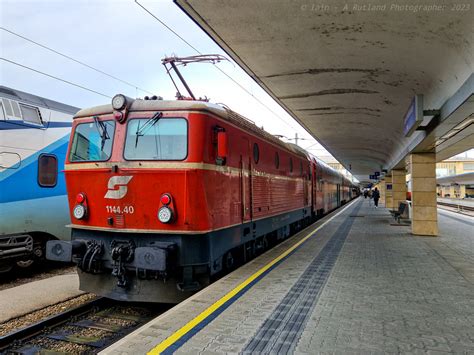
column 414, row 116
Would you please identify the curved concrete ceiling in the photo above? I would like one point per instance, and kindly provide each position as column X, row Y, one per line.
column 346, row 73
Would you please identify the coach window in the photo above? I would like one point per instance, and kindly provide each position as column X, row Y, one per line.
column 256, row 153
column 2, row 114
column 47, row 170
column 92, row 141
column 291, row 165
column 161, row 139
column 30, row 114
column 277, row 160
column 301, row 168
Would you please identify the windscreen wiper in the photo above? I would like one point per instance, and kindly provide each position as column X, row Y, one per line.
column 102, row 128
column 146, row 126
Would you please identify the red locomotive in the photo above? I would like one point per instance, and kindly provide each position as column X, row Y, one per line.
column 165, row 195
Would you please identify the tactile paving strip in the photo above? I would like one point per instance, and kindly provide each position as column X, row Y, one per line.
column 281, row 331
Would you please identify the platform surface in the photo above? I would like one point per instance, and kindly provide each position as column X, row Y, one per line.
column 358, row 285
column 23, row 299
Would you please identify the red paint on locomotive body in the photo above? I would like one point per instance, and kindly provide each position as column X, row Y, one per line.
column 207, row 196
column 231, row 191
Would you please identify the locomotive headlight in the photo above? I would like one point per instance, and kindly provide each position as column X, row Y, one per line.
column 119, row 102
column 79, row 211
column 165, row 214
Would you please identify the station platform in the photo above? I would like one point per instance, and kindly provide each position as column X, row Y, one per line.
column 23, row 299
column 352, row 282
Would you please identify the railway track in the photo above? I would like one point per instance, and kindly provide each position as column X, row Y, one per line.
column 86, row 329
column 456, row 206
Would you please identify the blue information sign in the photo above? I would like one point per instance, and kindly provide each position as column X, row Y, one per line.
column 414, row 116
column 377, row 173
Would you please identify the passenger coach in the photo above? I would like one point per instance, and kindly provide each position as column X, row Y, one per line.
column 34, row 134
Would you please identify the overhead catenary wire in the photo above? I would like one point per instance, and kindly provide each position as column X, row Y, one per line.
column 222, row 71
column 54, row 77
column 75, row 60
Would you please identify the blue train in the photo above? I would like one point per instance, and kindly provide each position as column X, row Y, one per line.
column 34, row 134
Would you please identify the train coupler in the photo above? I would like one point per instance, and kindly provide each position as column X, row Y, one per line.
column 121, row 253
column 92, row 260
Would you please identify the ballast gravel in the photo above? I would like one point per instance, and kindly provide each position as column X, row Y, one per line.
column 36, row 316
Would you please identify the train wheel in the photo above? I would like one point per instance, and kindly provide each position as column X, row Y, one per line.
column 229, row 261
column 24, row 264
column 5, row 268
column 38, row 254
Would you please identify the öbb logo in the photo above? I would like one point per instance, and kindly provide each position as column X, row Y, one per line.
column 120, row 182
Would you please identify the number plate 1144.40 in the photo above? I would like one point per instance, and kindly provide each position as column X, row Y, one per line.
column 119, row 209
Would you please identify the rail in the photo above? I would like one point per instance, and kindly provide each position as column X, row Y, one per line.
column 94, row 315
column 458, row 206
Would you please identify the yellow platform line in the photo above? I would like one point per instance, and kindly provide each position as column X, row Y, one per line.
column 173, row 338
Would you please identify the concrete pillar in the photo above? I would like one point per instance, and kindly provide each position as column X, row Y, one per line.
column 382, row 191
column 388, row 191
column 423, row 197
column 399, row 187
column 452, row 192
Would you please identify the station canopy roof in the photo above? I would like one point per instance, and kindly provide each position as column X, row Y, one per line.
column 348, row 71
column 460, row 179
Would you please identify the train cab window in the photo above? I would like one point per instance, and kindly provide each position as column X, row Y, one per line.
column 47, row 170
column 31, row 114
column 277, row 160
column 291, row 165
column 163, row 139
column 256, row 153
column 92, row 141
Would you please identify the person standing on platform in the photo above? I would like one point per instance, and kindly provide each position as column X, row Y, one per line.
column 376, row 196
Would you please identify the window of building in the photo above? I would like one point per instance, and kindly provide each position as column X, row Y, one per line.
column 256, row 153
column 468, row 166
column 47, row 170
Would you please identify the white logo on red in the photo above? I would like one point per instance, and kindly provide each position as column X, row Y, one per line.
column 117, row 187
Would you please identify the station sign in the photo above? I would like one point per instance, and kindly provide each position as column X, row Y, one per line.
column 373, row 177
column 414, row 116
column 377, row 173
